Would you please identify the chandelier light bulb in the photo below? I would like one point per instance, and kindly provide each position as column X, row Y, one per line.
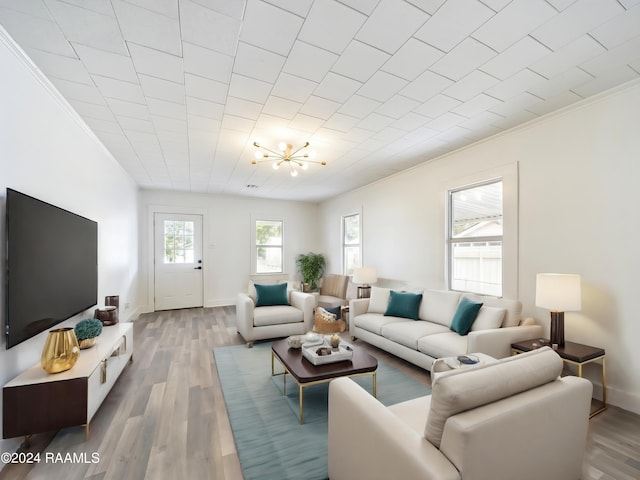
column 276, row 165
column 258, row 155
column 294, row 172
column 282, row 146
column 303, row 165
column 312, row 154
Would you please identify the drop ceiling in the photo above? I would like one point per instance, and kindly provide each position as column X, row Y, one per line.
column 178, row 90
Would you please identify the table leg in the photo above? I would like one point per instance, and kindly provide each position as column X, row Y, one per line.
column 604, row 382
column 300, row 390
column 374, row 385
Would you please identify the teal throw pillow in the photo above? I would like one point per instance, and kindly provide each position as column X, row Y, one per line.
column 465, row 316
column 403, row 304
column 272, row 294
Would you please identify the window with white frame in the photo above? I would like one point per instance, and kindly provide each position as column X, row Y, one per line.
column 351, row 251
column 269, row 246
column 475, row 238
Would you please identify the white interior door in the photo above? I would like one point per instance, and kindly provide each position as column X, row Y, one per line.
column 177, row 261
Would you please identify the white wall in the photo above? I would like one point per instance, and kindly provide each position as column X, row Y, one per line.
column 227, row 231
column 577, row 213
column 46, row 152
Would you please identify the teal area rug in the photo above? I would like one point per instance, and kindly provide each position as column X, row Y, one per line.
column 270, row 441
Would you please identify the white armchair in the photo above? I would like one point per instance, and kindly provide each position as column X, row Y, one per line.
column 273, row 321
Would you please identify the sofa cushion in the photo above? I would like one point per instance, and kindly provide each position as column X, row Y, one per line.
column 446, row 344
column 378, row 300
column 403, row 304
column 488, row 318
column 271, row 294
column 513, row 308
column 408, row 333
column 373, row 322
column 461, row 390
column 465, row 315
column 251, row 291
column 438, row 306
column 276, row 315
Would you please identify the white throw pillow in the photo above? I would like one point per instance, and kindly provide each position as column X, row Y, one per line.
column 379, row 300
column 488, row 318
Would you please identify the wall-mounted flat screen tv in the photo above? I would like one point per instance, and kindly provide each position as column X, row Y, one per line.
column 52, row 266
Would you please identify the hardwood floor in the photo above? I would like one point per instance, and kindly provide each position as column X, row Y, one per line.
column 166, row 418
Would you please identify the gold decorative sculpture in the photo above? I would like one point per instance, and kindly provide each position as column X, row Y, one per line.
column 60, row 351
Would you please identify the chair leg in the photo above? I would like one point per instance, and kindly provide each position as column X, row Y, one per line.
column 249, row 344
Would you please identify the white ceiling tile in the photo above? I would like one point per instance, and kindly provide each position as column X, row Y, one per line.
column 413, row 58
column 299, row 7
column 341, row 122
column 205, row 88
column 364, row 6
column 515, row 105
column 106, row 64
column 375, row 122
column 204, row 108
column 555, row 103
column 481, row 120
column 426, row 86
column 344, row 21
column 233, row 9
column 206, row 63
column 568, row 56
column 518, row 83
column 162, row 89
column 60, row 66
column 359, row 107
column 128, row 109
column 308, row 61
column 269, row 27
column 563, row 82
column 162, row 108
column 164, row 125
column 101, row 112
column 359, row 61
column 623, row 54
column 397, row 106
column 476, row 105
column 168, row 8
column 319, row 107
column 32, row 8
column 281, row 107
column 497, row 5
column 337, row 87
column 87, row 27
column 410, row 121
column 156, row 63
column 203, row 123
column 295, row 88
column 78, row 91
column 575, row 21
column 30, row 31
column 515, row 119
column 514, row 22
column 208, row 28
column 465, row 57
column 391, row 24
column 249, row 88
column 620, row 29
column 445, row 121
column 382, row 86
column 306, row 123
column 137, row 124
column 243, row 108
column 437, row 105
column 113, row 88
column 561, row 4
column 515, row 58
column 105, row 126
column 258, row 63
column 468, row 87
column 454, row 21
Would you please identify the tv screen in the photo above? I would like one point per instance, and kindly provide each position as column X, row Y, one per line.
column 52, row 266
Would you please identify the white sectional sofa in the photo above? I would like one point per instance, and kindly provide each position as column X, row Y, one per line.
column 496, row 327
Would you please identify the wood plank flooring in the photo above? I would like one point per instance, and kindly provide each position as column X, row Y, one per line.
column 165, row 417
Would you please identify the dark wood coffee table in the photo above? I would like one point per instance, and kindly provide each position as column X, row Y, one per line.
column 306, row 374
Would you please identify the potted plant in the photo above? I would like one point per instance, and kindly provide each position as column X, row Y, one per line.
column 311, row 267
column 87, row 331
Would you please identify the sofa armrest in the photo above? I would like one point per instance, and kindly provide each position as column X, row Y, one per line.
column 367, row 441
column 244, row 316
column 497, row 342
column 304, row 302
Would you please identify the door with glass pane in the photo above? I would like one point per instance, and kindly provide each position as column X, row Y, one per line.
column 177, row 261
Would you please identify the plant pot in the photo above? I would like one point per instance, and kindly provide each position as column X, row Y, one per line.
column 87, row 343
column 60, row 351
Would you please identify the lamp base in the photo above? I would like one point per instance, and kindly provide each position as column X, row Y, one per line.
column 557, row 329
column 364, row 291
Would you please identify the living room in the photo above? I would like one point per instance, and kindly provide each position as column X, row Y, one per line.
column 569, row 177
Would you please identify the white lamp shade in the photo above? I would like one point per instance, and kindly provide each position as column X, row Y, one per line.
column 365, row 276
column 558, row 291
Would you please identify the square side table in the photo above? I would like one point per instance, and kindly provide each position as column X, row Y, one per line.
column 573, row 354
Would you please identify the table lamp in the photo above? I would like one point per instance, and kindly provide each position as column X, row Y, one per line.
column 363, row 277
column 559, row 292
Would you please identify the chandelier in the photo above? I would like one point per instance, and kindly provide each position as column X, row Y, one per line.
column 294, row 159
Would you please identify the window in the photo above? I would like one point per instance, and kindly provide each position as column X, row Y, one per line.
column 178, row 241
column 268, row 246
column 475, row 238
column 350, row 243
